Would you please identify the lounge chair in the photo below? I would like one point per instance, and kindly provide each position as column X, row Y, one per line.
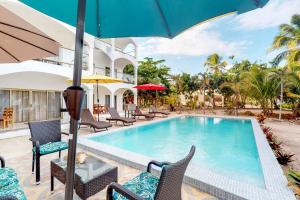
column 116, row 117
column 138, row 113
column 154, row 111
column 46, row 139
column 148, row 186
column 88, row 120
column 9, row 184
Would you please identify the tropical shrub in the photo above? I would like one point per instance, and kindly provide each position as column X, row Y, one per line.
column 294, row 180
column 261, row 118
column 273, row 142
column 248, row 113
column 283, row 157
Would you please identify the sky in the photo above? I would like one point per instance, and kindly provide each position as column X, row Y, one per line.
column 246, row 36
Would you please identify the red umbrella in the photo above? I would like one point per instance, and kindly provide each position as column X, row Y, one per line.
column 151, row 86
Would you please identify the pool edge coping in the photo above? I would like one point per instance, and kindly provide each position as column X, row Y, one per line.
column 205, row 180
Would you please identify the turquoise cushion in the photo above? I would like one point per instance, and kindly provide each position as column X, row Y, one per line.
column 7, row 176
column 13, row 189
column 9, row 184
column 144, row 185
column 52, row 147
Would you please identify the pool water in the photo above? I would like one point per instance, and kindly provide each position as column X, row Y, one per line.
column 224, row 146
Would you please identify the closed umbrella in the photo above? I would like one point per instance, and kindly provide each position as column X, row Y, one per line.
column 127, row 18
column 20, row 41
column 151, row 86
column 96, row 79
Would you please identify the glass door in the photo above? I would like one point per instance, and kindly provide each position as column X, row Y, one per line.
column 54, row 105
column 21, row 105
column 4, row 100
column 39, row 106
column 107, row 100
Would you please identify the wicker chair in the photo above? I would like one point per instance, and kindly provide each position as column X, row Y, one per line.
column 9, row 184
column 150, row 187
column 46, row 139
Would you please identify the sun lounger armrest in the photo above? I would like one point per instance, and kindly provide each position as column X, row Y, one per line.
column 2, row 162
column 64, row 133
column 156, row 163
column 121, row 190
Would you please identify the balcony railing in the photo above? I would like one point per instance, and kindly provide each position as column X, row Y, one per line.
column 69, row 53
column 127, row 78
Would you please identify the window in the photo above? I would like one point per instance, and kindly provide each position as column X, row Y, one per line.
column 107, row 100
column 4, row 100
column 39, row 105
column 21, row 106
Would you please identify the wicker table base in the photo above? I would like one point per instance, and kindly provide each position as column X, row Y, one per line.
column 90, row 178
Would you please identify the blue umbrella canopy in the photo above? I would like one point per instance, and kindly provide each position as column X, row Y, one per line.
column 141, row 18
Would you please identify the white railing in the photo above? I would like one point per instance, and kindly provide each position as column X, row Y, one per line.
column 127, row 78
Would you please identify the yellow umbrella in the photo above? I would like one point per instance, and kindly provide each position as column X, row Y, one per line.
column 96, row 79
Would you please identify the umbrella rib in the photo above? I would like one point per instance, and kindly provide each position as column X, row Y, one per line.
column 27, row 42
column 11, row 55
column 164, row 18
column 23, row 29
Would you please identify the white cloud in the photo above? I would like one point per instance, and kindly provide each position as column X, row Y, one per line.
column 273, row 14
column 201, row 40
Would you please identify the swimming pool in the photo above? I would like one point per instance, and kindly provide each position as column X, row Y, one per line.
column 224, row 146
column 233, row 159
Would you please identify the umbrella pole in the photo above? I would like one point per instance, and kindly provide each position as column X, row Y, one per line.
column 70, row 174
column 98, row 112
column 156, row 99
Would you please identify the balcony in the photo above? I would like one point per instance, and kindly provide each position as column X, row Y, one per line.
column 65, row 58
column 127, row 78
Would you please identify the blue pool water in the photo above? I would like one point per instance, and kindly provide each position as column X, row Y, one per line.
column 224, row 146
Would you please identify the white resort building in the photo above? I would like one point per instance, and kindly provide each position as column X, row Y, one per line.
column 34, row 88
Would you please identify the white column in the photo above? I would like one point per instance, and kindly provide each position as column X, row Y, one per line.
column 112, row 56
column 91, row 60
column 112, row 68
column 90, row 100
column 112, row 102
column 135, row 93
column 135, row 74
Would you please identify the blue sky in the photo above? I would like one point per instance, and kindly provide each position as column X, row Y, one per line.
column 245, row 36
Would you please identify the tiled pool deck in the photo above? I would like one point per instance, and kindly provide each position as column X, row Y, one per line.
column 206, row 180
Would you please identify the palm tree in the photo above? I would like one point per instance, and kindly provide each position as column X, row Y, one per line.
column 260, row 87
column 215, row 64
column 288, row 40
column 280, row 75
column 204, row 83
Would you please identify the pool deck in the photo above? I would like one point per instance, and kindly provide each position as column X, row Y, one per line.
column 206, row 180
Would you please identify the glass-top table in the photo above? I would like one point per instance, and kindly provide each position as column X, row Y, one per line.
column 90, row 177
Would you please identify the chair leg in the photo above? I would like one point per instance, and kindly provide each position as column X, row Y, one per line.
column 37, row 170
column 59, row 154
column 33, row 162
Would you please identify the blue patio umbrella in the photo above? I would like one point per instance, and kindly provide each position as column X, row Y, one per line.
column 126, row 18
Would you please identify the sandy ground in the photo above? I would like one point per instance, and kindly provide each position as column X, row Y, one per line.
column 289, row 134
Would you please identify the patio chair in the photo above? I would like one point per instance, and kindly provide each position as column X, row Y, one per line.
column 88, row 119
column 116, row 117
column 46, row 139
column 138, row 113
column 9, row 184
column 154, row 111
column 150, row 187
